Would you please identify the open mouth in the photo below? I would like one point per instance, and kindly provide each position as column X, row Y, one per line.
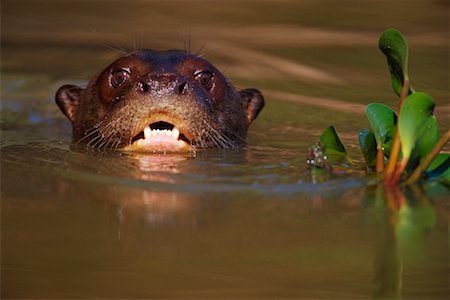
column 159, row 137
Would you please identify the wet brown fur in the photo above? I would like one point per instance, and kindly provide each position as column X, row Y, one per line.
column 104, row 116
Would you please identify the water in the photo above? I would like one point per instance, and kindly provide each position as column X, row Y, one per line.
column 242, row 224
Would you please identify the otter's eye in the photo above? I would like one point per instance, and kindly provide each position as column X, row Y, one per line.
column 205, row 78
column 119, row 77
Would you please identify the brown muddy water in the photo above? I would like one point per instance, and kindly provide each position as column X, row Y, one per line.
column 251, row 224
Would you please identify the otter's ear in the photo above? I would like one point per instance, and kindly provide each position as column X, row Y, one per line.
column 67, row 97
column 253, row 102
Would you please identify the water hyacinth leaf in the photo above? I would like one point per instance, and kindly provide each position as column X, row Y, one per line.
column 393, row 44
column 368, row 145
column 440, row 167
column 417, row 125
column 382, row 119
column 334, row 149
column 441, row 160
column 428, row 136
column 427, row 160
column 331, row 141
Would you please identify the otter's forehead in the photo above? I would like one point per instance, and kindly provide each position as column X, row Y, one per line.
column 167, row 59
column 171, row 56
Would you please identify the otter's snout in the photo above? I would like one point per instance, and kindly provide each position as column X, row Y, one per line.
column 163, row 84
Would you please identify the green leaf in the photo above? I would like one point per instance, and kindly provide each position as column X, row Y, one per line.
column 334, row 149
column 417, row 125
column 440, row 167
column 393, row 44
column 382, row 119
column 440, row 160
column 368, row 145
column 428, row 137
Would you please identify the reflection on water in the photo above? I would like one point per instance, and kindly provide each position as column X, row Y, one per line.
column 69, row 234
column 245, row 224
column 410, row 220
column 152, row 165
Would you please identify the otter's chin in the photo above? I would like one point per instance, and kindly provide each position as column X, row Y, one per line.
column 159, row 137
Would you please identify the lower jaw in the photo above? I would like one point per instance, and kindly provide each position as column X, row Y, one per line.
column 159, row 137
column 160, row 145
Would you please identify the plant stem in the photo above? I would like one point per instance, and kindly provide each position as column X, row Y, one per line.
column 380, row 161
column 395, row 178
column 405, row 92
column 393, row 157
column 396, row 144
column 429, row 158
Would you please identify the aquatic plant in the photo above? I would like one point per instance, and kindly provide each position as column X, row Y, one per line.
column 403, row 147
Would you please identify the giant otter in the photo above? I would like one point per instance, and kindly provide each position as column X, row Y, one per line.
column 153, row 101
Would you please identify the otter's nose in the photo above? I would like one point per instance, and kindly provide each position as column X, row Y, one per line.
column 163, row 84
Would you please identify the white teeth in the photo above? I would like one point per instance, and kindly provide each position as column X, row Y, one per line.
column 175, row 132
column 147, row 132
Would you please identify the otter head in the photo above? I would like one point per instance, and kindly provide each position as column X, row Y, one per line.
column 157, row 102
